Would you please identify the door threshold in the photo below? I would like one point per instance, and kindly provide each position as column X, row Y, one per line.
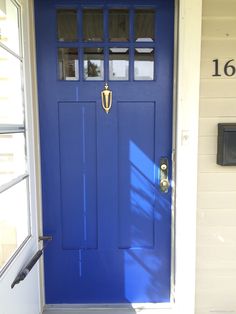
column 141, row 308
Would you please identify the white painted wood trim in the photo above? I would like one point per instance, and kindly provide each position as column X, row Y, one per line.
column 187, row 83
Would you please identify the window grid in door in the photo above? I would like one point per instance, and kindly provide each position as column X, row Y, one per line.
column 124, row 29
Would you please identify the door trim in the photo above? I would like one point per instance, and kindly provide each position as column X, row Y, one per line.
column 185, row 147
column 186, row 112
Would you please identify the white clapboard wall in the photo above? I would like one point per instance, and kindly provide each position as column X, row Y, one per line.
column 216, row 221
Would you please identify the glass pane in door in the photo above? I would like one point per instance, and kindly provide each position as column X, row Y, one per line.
column 12, row 156
column 14, row 220
column 144, row 64
column 92, row 25
column 118, row 64
column 93, row 64
column 144, row 26
column 67, row 25
column 68, row 65
column 11, row 103
column 9, row 25
column 119, row 25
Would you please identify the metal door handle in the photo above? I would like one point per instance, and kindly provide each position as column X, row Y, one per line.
column 24, row 272
column 164, row 181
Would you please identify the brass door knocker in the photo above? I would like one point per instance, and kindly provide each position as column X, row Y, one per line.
column 106, row 95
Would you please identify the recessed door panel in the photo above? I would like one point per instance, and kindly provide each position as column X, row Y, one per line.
column 78, row 165
column 137, row 174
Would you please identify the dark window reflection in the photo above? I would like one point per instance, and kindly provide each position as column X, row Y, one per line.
column 67, row 25
column 92, row 25
column 68, row 65
column 118, row 64
column 144, row 25
column 119, row 25
column 144, row 64
column 93, row 64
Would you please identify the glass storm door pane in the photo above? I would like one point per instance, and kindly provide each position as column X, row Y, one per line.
column 144, row 25
column 118, row 64
column 67, row 25
column 11, row 104
column 92, row 25
column 14, row 220
column 93, row 64
column 9, row 25
column 68, row 65
column 119, row 25
column 144, row 64
column 13, row 158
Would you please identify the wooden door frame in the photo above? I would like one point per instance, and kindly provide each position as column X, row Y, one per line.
column 187, row 90
column 185, row 148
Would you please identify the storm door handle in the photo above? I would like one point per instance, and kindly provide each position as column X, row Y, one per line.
column 24, row 272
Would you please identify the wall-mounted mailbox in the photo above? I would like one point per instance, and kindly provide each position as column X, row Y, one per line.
column 226, row 148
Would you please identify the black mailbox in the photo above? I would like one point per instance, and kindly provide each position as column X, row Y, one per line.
column 226, row 149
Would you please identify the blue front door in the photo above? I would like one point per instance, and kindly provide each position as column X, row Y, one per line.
column 102, row 201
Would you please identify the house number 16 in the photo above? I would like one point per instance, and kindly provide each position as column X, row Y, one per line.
column 229, row 69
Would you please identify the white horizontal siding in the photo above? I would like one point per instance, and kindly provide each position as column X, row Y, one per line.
column 212, row 87
column 213, row 48
column 218, row 236
column 216, row 216
column 208, row 126
column 219, row 28
column 220, row 182
column 217, row 107
column 221, row 200
column 207, row 145
column 219, row 8
column 207, row 163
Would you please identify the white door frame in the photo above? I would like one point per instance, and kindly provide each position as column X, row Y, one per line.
column 187, row 116
column 186, row 91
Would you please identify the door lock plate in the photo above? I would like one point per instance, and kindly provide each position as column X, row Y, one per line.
column 164, row 181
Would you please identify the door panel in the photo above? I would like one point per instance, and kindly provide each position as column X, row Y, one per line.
column 110, row 222
column 137, row 175
column 78, row 165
